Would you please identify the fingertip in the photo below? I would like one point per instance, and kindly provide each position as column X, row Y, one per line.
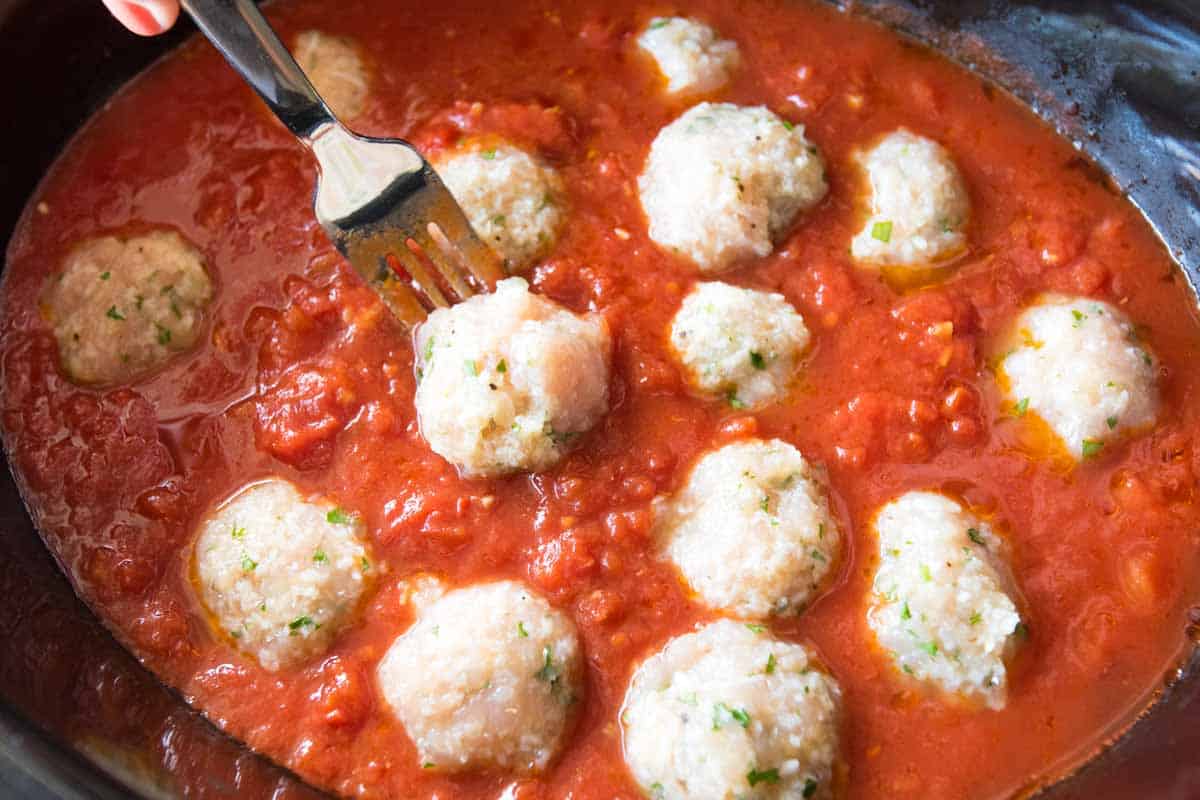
column 144, row 17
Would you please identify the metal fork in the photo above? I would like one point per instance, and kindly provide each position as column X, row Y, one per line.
column 380, row 202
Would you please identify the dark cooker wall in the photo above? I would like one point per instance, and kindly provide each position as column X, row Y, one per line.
column 1122, row 78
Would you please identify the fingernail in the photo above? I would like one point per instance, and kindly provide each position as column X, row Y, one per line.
column 162, row 14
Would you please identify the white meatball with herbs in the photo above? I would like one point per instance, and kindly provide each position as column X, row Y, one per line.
column 1078, row 365
column 743, row 345
column 336, row 69
column 690, row 54
column 509, row 381
column 487, row 676
column 513, row 200
column 730, row 712
column 919, row 205
column 750, row 530
column 120, row 308
column 723, row 182
column 941, row 603
column 280, row 574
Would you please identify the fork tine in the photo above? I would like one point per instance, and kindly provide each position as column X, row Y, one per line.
column 448, row 266
column 411, row 264
column 399, row 298
column 460, row 244
column 370, row 257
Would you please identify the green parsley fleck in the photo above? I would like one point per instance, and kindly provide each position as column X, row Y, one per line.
column 366, row 565
column 756, row 776
column 817, row 555
column 236, row 634
column 789, row 125
column 238, row 532
column 1021, row 630
column 733, row 399
column 770, row 668
column 428, row 765
column 1021, row 407
column 471, row 367
column 930, row 648
column 905, row 612
column 524, row 634
column 1079, row 316
column 925, row 574
column 112, row 313
column 301, row 622
column 765, row 504
column 882, row 231
column 248, row 564
column 499, row 219
column 810, row 788
column 974, row 535
column 319, row 557
column 164, row 335
column 756, row 628
column 550, row 673
column 659, row 23
column 722, row 713
column 1092, row 447
column 556, row 437
column 1112, row 422
column 757, row 361
column 429, row 348
column 976, row 618
column 502, row 367
column 338, row 517
column 489, row 155
column 907, row 669
column 105, row 276
column 657, row 792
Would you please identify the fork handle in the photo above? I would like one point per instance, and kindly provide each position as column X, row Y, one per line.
column 238, row 29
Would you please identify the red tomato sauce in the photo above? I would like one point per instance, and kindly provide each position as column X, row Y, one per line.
column 302, row 374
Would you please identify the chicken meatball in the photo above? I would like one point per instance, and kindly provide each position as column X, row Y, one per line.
column 279, row 573
column 336, row 70
column 723, row 182
column 730, row 712
column 751, row 530
column 741, row 344
column 513, row 200
column 919, row 204
column 1078, row 365
column 941, row 603
column 689, row 54
column 509, row 380
column 487, row 676
column 120, row 308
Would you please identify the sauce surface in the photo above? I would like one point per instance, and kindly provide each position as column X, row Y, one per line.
column 303, row 375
